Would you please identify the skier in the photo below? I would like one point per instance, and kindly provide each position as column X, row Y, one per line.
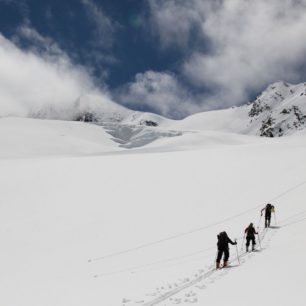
column 268, row 211
column 250, row 236
column 223, row 241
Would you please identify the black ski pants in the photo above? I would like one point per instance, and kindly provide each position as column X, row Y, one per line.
column 221, row 252
column 267, row 220
column 249, row 239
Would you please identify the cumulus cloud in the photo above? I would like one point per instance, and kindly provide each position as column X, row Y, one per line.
column 41, row 81
column 249, row 44
column 173, row 21
column 159, row 92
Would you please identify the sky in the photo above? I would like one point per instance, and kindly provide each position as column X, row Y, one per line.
column 171, row 57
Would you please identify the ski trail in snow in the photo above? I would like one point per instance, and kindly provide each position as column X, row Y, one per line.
column 168, row 294
column 265, row 233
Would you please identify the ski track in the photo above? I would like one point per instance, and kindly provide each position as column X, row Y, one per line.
column 212, row 271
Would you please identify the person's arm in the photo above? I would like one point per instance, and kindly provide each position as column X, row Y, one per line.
column 262, row 211
column 231, row 242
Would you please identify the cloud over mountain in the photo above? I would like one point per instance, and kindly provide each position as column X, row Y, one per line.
column 41, row 80
column 159, row 92
column 242, row 45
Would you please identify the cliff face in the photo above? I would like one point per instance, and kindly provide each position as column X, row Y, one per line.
column 279, row 110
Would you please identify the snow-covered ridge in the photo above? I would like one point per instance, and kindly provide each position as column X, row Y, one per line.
column 279, row 110
column 106, row 126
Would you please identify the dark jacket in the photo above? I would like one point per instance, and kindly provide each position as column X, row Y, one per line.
column 268, row 210
column 250, row 231
column 223, row 241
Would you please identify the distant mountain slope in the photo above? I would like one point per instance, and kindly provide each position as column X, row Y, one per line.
column 280, row 110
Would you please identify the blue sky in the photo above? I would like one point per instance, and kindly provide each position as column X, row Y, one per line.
column 172, row 57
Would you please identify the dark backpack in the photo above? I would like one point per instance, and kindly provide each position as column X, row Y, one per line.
column 250, row 231
column 269, row 208
column 222, row 239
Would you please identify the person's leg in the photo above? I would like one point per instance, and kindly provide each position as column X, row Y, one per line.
column 247, row 243
column 219, row 256
column 253, row 243
column 269, row 220
column 226, row 256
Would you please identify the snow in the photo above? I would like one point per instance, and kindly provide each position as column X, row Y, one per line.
column 22, row 137
column 74, row 195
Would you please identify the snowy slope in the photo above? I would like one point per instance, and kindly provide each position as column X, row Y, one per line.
column 21, row 137
column 58, row 212
column 125, row 209
column 279, row 110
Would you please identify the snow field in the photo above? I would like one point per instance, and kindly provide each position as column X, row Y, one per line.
column 21, row 137
column 58, row 212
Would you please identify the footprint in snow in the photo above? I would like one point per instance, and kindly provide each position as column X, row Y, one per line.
column 125, row 301
column 190, row 294
column 201, row 287
column 194, row 300
column 176, row 300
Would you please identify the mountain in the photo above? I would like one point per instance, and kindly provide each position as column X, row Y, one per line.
column 280, row 110
column 97, row 125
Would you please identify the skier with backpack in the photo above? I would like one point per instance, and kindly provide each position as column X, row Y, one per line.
column 250, row 236
column 223, row 241
column 268, row 211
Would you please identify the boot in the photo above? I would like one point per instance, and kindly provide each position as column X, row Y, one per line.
column 253, row 247
column 247, row 248
column 217, row 265
column 224, row 264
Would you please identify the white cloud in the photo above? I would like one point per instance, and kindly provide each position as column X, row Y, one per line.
column 40, row 84
column 38, row 44
column 160, row 92
column 249, row 44
column 104, row 27
column 172, row 21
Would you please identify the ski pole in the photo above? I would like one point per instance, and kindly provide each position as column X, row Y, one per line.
column 275, row 218
column 242, row 241
column 215, row 261
column 258, row 237
column 259, row 220
column 237, row 252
